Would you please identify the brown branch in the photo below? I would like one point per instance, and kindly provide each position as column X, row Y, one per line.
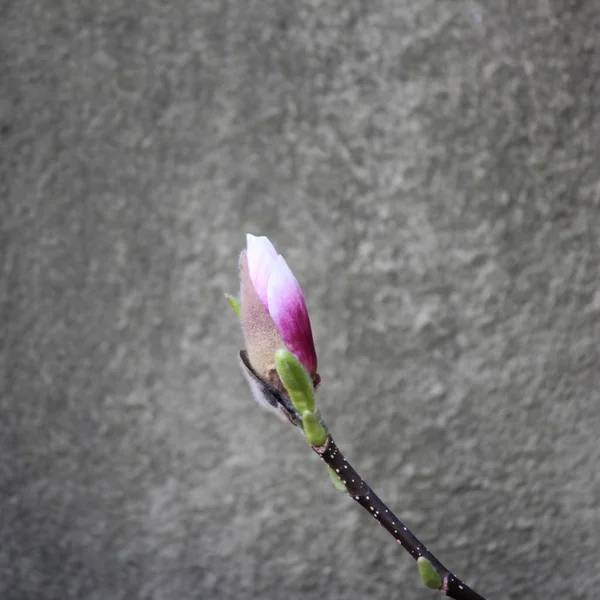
column 360, row 491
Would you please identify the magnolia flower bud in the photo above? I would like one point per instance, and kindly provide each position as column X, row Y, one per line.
column 273, row 311
column 276, row 329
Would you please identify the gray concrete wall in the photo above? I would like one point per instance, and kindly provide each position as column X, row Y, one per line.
column 431, row 172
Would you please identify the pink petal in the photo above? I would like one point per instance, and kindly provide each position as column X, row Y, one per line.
column 261, row 258
column 288, row 310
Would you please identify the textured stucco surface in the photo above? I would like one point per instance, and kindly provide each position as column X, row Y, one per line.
column 431, row 172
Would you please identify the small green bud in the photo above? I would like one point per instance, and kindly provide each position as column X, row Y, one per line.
column 233, row 302
column 314, row 432
column 296, row 380
column 335, row 479
column 431, row 578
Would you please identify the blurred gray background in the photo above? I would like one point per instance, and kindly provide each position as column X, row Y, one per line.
column 431, row 172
